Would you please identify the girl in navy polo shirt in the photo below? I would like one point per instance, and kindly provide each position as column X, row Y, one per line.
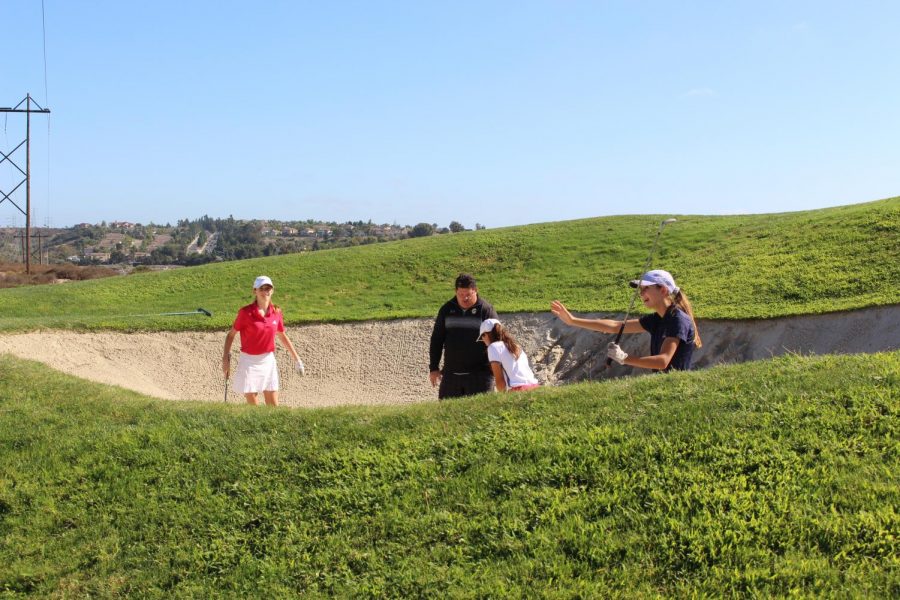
column 671, row 325
column 258, row 323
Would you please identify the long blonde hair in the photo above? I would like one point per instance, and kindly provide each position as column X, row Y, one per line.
column 680, row 300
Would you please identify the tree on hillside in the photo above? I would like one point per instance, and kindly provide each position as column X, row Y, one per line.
column 456, row 227
column 421, row 230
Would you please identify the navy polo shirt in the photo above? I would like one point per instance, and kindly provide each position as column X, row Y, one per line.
column 677, row 324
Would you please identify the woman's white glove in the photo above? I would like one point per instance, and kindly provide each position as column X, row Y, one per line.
column 615, row 353
column 301, row 370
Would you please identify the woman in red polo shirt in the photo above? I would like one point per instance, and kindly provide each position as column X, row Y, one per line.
column 258, row 323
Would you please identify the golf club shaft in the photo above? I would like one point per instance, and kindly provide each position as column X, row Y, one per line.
column 199, row 311
column 637, row 289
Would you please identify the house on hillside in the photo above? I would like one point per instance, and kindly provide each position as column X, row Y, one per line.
column 98, row 256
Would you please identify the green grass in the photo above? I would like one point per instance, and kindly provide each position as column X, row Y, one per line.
column 775, row 478
column 753, row 266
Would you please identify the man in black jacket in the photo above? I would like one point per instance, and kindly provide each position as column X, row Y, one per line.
column 466, row 368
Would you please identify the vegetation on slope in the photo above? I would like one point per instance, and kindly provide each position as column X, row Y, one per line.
column 14, row 275
column 751, row 266
column 770, row 478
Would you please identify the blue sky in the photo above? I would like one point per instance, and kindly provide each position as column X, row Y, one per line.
column 497, row 113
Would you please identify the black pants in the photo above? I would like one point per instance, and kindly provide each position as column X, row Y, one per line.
column 455, row 386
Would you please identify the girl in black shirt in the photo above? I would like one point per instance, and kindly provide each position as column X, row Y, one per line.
column 672, row 328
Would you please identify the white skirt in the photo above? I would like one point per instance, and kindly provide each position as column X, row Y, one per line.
column 256, row 373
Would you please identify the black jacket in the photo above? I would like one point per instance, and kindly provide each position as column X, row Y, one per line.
column 455, row 334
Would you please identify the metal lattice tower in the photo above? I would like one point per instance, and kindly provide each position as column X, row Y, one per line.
column 27, row 101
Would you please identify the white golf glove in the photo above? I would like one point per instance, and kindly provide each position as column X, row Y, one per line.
column 617, row 354
column 301, row 370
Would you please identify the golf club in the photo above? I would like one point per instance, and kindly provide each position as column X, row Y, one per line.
column 199, row 311
column 637, row 289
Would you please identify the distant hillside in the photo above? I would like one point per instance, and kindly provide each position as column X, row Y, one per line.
column 752, row 266
column 185, row 244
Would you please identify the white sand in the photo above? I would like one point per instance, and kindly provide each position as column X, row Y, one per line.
column 386, row 362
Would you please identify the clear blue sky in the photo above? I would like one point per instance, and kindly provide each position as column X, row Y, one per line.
column 498, row 113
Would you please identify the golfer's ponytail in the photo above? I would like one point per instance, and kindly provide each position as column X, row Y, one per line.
column 682, row 302
column 498, row 334
column 508, row 341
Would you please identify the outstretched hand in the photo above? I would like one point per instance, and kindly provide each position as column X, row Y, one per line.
column 558, row 309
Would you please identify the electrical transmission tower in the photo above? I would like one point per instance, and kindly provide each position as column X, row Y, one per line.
column 27, row 101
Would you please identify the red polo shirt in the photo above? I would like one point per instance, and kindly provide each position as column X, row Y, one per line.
column 258, row 332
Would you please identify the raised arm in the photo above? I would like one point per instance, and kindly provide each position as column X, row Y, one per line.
column 601, row 325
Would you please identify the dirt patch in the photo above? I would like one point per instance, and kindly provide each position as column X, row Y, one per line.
column 14, row 275
column 380, row 362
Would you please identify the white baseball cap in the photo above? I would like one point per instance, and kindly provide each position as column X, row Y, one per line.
column 486, row 326
column 261, row 281
column 657, row 277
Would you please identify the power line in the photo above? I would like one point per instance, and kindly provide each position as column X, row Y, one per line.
column 46, row 103
column 44, row 29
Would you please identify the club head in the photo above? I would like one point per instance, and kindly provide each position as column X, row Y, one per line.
column 204, row 311
column 668, row 221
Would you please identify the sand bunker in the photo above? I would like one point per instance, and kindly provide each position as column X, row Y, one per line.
column 386, row 362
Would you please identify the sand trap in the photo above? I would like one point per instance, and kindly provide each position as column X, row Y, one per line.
column 381, row 362
column 367, row 363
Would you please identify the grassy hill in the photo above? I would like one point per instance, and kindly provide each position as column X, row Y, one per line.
column 766, row 479
column 730, row 266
